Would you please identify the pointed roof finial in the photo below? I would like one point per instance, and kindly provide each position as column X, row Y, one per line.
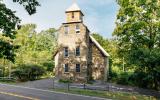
column 73, row 7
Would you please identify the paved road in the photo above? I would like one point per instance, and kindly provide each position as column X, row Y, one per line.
column 12, row 92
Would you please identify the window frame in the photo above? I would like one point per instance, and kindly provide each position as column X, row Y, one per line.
column 65, row 52
column 77, row 30
column 72, row 15
column 77, row 55
column 79, row 70
column 66, row 70
column 66, row 30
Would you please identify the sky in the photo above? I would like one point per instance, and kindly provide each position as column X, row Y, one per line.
column 100, row 15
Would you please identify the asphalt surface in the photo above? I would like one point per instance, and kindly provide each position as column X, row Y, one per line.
column 13, row 92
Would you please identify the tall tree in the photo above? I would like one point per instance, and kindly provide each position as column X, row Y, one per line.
column 9, row 23
column 138, row 33
column 35, row 48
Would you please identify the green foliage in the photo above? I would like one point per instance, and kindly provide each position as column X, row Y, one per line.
column 35, row 48
column 48, row 66
column 28, row 72
column 65, row 81
column 8, row 24
column 108, row 95
column 138, row 35
column 123, row 78
column 29, row 5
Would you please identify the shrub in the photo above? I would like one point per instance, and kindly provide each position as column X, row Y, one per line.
column 123, row 78
column 142, row 79
column 28, row 72
column 48, row 66
column 65, row 81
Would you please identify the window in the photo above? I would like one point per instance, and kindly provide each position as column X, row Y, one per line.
column 66, row 52
column 81, row 18
column 72, row 14
column 77, row 51
column 66, row 69
column 77, row 29
column 66, row 29
column 77, row 67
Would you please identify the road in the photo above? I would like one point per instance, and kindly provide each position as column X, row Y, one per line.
column 13, row 92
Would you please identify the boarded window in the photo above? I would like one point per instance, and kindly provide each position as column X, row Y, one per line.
column 78, row 68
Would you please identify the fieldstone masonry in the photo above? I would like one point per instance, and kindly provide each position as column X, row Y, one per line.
column 93, row 59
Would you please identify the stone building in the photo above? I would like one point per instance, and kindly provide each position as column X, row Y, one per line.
column 79, row 56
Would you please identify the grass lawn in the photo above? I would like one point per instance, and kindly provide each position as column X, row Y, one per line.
column 8, row 81
column 108, row 95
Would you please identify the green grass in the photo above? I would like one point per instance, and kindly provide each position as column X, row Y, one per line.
column 108, row 95
column 8, row 81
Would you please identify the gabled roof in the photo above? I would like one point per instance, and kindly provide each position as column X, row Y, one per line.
column 99, row 46
column 73, row 7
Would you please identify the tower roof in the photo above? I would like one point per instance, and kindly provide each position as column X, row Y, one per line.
column 73, row 7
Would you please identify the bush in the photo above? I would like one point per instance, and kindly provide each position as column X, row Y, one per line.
column 123, row 78
column 142, row 79
column 48, row 66
column 113, row 76
column 65, row 81
column 28, row 72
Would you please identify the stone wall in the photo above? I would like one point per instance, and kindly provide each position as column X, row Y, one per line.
column 99, row 64
column 77, row 16
column 72, row 40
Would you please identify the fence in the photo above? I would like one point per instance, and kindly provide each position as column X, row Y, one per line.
column 7, row 78
column 106, row 87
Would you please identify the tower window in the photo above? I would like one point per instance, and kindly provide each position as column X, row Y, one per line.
column 66, row 52
column 78, row 68
column 66, row 68
column 81, row 18
column 66, row 29
column 77, row 51
column 72, row 14
column 77, row 29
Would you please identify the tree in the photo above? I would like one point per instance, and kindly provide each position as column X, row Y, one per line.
column 35, row 48
column 138, row 34
column 8, row 25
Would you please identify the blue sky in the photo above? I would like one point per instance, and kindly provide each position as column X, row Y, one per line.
column 100, row 15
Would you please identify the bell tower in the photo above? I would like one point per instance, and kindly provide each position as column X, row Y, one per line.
column 74, row 14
